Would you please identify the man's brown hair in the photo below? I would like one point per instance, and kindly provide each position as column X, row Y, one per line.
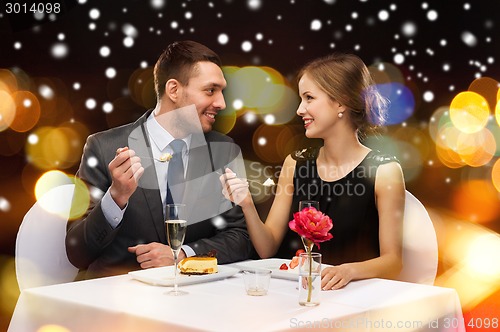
column 178, row 61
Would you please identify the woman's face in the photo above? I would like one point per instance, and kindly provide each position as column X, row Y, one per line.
column 318, row 111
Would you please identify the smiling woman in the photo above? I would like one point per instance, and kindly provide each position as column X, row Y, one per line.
column 360, row 189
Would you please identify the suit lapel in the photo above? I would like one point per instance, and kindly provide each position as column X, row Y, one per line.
column 199, row 167
column 148, row 183
column 199, row 158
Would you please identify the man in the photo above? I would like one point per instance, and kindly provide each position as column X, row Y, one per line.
column 124, row 230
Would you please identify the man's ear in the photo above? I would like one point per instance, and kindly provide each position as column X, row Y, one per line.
column 172, row 89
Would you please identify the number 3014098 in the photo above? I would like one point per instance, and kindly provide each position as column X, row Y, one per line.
column 25, row 8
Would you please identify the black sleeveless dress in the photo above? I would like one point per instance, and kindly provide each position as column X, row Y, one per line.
column 349, row 201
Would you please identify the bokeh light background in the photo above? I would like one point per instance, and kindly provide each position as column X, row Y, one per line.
column 89, row 67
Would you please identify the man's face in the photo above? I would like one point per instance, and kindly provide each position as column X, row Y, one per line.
column 204, row 91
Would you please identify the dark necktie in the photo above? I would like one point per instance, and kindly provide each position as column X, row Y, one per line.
column 175, row 176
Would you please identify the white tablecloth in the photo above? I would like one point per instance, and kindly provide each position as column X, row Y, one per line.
column 123, row 304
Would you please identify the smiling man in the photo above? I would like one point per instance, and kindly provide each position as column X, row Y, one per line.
column 124, row 229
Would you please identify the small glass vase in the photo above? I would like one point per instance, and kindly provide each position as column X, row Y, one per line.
column 309, row 267
column 309, row 279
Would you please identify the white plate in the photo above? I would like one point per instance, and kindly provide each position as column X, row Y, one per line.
column 273, row 264
column 164, row 276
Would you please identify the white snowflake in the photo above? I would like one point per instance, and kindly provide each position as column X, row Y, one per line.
column 129, row 30
column 409, row 29
column 157, row 4
column 33, row 139
column 383, row 15
column 315, row 25
column 128, row 42
column 399, row 58
column 428, row 96
column 4, row 204
column 94, row 13
column 107, row 107
column 254, row 4
column 104, row 51
column 90, row 103
column 223, row 39
column 46, row 91
column 246, row 46
column 59, row 50
column 432, row 15
column 238, row 104
column 469, row 39
column 110, row 72
column 269, row 119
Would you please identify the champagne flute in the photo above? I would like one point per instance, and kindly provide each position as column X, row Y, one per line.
column 176, row 231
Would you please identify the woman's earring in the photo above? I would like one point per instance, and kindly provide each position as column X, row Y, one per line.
column 340, row 115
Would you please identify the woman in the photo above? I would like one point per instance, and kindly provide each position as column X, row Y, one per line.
column 360, row 189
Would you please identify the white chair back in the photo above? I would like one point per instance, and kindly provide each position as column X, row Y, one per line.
column 420, row 250
column 40, row 245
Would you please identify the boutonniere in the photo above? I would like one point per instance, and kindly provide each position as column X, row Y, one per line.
column 165, row 157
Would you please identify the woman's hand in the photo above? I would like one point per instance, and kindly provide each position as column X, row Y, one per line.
column 235, row 189
column 336, row 277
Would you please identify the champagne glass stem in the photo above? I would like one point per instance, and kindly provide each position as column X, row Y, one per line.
column 175, row 271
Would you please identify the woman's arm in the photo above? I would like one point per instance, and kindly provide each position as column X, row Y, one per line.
column 266, row 237
column 390, row 201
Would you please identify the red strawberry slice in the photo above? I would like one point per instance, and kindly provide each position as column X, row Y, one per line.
column 295, row 262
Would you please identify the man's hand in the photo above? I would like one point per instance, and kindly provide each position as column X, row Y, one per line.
column 126, row 170
column 154, row 255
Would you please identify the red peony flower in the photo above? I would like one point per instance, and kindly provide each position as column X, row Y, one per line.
column 312, row 225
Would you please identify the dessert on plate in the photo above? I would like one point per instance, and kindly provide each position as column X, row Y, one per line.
column 199, row 264
column 294, row 262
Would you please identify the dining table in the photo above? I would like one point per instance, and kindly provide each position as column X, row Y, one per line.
column 129, row 302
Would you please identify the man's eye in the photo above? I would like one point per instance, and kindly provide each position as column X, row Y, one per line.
column 211, row 91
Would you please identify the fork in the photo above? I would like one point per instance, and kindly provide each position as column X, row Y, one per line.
column 156, row 159
column 250, row 180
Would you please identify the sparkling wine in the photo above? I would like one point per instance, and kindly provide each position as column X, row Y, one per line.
column 176, row 231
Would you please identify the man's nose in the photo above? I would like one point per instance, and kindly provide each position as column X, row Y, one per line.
column 219, row 102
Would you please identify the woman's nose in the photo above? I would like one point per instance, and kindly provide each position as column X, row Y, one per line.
column 301, row 110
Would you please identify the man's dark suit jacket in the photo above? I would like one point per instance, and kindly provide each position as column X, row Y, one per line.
column 99, row 250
